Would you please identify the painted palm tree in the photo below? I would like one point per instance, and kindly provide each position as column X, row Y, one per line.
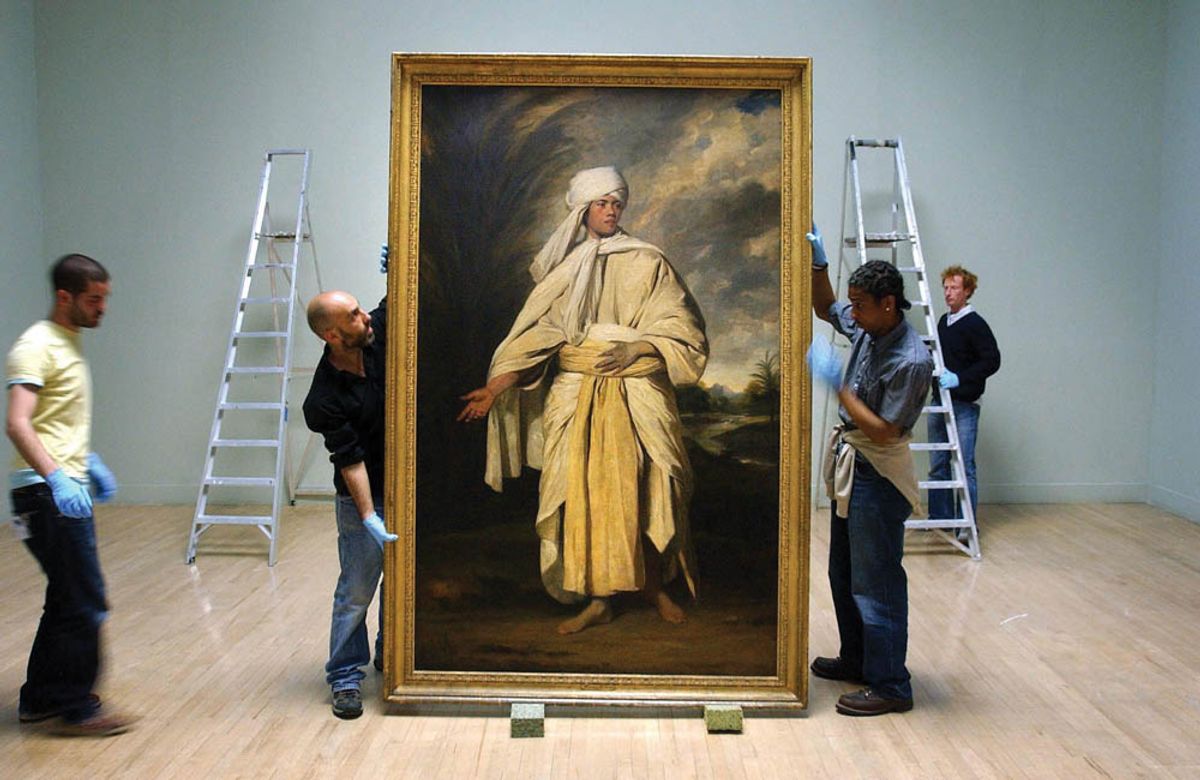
column 764, row 383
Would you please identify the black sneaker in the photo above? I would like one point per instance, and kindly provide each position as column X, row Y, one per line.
column 835, row 669
column 32, row 716
column 347, row 704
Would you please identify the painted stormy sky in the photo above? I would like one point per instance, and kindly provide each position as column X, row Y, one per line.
column 703, row 167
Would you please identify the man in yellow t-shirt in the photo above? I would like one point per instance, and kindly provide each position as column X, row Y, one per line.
column 49, row 423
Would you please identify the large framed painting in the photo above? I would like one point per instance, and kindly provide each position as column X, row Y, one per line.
column 598, row 430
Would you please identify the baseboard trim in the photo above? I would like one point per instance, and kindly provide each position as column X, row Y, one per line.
column 1175, row 502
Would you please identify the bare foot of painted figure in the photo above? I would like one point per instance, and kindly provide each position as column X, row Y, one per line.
column 595, row 613
column 668, row 610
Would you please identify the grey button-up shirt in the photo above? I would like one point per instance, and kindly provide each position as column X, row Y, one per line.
column 890, row 374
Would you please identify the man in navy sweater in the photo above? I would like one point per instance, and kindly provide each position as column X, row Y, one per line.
column 971, row 356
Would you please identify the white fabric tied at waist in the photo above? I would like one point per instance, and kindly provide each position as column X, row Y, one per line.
column 893, row 461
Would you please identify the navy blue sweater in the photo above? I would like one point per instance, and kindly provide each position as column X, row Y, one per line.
column 970, row 351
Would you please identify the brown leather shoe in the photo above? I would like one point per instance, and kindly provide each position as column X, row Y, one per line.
column 835, row 669
column 866, row 702
column 102, row 724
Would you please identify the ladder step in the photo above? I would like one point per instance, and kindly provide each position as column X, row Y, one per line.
column 254, row 370
column 245, row 443
column 278, row 235
column 241, row 481
column 252, row 266
column 275, row 300
column 936, row 484
column 260, row 334
column 935, row 446
column 250, row 406
column 234, row 519
column 879, row 240
column 959, row 522
column 935, row 410
column 887, row 142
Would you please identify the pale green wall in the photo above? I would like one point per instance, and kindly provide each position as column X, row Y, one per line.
column 1032, row 131
column 26, row 294
column 1175, row 437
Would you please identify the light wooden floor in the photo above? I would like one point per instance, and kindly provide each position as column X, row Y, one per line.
column 1071, row 650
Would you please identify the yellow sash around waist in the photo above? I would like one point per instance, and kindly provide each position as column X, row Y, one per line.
column 602, row 552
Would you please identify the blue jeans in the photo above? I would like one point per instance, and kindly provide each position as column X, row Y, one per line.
column 941, row 502
column 65, row 660
column 870, row 588
column 362, row 566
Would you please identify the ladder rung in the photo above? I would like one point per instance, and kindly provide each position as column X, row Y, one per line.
column 887, row 142
column 278, row 235
column 254, row 370
column 953, row 522
column 933, row 446
column 878, row 240
column 250, row 406
column 241, row 481
column 245, row 443
column 940, row 484
column 275, row 300
column 252, row 266
column 260, row 334
column 234, row 519
column 935, row 410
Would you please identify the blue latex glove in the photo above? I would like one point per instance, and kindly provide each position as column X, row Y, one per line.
column 948, row 379
column 102, row 478
column 383, row 258
column 374, row 525
column 819, row 261
column 71, row 497
column 825, row 363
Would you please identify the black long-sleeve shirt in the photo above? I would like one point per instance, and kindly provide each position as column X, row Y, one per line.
column 970, row 351
column 348, row 410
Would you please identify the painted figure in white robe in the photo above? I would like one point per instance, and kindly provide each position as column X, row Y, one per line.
column 583, row 388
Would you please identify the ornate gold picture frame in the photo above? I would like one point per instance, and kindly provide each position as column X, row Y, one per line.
column 598, row 430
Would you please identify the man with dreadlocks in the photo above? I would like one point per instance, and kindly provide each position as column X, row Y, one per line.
column 870, row 477
column 583, row 388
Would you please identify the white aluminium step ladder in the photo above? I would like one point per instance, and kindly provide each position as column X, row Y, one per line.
column 902, row 243
column 247, row 450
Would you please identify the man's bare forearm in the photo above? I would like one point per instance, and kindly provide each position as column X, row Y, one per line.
column 875, row 427
column 822, row 293
column 359, row 485
column 22, row 401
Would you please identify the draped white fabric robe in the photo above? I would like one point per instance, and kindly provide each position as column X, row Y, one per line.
column 641, row 298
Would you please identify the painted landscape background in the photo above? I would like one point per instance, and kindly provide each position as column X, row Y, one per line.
column 703, row 167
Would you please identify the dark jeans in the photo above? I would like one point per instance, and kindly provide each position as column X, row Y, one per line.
column 942, row 503
column 65, row 660
column 870, row 588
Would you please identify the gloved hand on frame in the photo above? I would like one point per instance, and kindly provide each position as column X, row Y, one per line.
column 825, row 363
column 819, row 261
column 378, row 532
column 948, row 379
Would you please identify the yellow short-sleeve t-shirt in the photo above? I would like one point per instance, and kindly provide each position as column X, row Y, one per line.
column 48, row 357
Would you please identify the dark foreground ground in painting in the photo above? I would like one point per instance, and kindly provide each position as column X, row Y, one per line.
column 481, row 606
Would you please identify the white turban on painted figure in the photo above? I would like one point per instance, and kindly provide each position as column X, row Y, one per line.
column 580, row 258
column 586, row 186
